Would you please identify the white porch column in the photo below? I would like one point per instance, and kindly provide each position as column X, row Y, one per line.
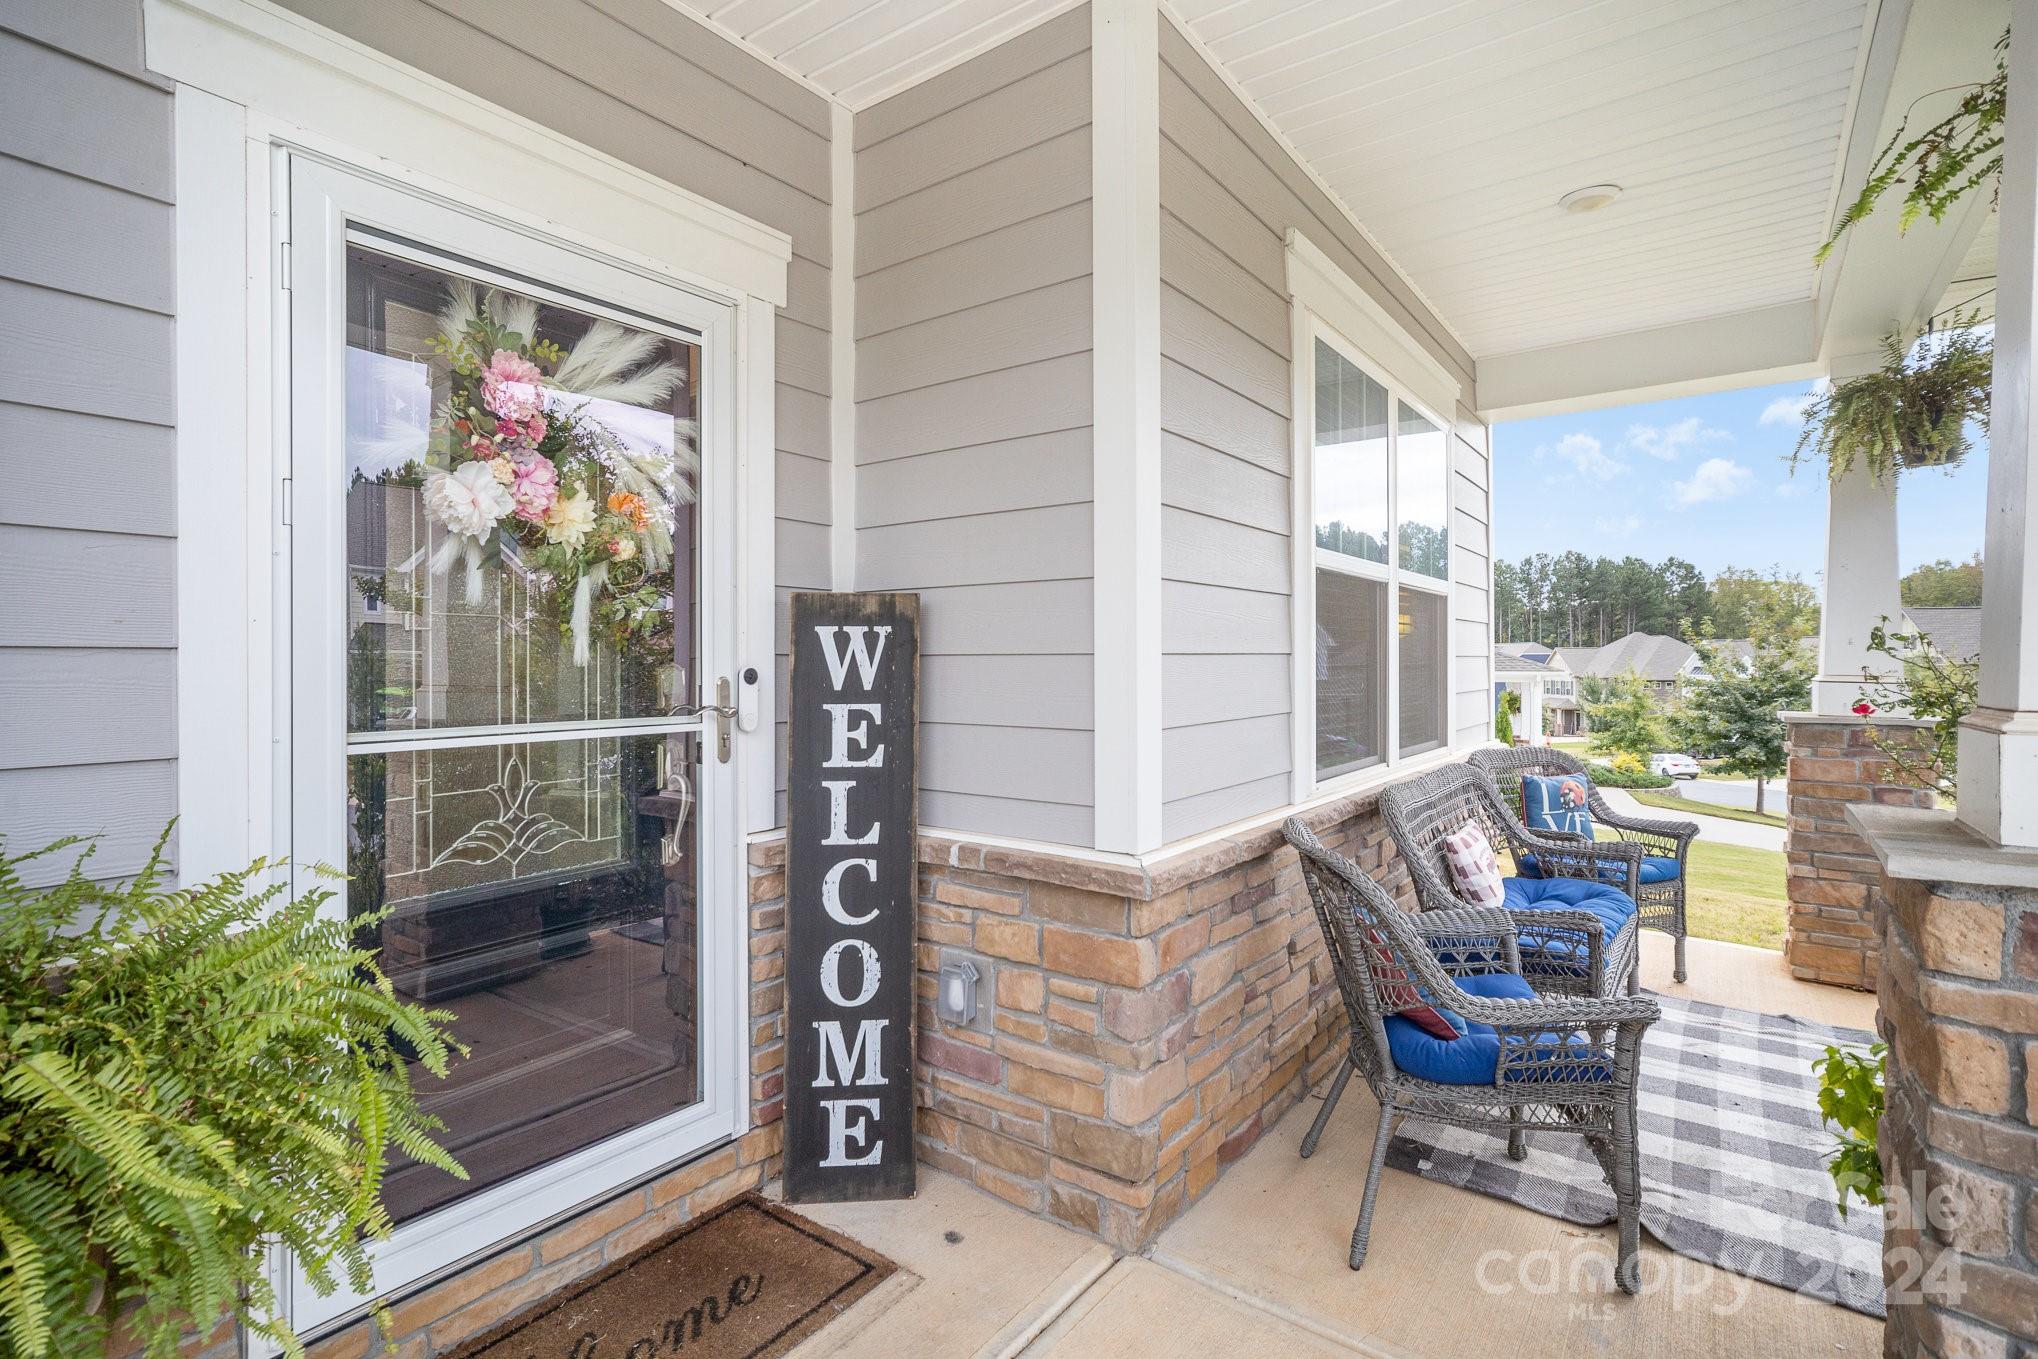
column 1532, row 712
column 1860, row 586
column 1999, row 740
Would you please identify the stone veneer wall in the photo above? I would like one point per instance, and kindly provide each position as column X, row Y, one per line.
column 1834, row 883
column 1143, row 1031
column 1959, row 1009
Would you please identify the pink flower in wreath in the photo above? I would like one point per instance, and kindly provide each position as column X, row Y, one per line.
column 535, row 489
column 509, row 387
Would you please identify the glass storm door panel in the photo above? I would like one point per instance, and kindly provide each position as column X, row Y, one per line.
column 500, row 460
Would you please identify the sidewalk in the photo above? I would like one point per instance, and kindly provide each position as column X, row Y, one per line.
column 1715, row 828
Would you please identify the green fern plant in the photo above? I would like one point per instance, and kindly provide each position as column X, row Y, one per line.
column 1911, row 413
column 1944, row 163
column 186, row 1075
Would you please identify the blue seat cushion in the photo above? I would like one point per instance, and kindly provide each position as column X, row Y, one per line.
column 1655, row 868
column 1473, row 1057
column 1614, row 907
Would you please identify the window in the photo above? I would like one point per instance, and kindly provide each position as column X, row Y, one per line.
column 1379, row 487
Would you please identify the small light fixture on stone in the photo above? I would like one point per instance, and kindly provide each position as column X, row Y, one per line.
column 1591, row 198
column 956, row 1003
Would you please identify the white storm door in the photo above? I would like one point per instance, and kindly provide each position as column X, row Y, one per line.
column 511, row 588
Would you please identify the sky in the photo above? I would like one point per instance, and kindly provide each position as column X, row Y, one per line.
column 1705, row 478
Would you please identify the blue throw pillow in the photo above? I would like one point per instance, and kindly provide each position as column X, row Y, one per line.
column 1557, row 802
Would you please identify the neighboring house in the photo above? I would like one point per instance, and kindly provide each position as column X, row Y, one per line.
column 1660, row 663
column 1954, row 632
column 1548, row 689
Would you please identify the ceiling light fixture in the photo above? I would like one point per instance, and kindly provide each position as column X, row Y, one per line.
column 1591, row 198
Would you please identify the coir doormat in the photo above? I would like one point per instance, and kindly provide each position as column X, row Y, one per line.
column 748, row 1281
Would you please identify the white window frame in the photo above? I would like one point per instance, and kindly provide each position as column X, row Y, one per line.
column 1328, row 305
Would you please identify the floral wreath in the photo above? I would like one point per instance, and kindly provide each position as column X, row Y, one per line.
column 516, row 454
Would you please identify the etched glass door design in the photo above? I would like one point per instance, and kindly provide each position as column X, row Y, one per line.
column 502, row 582
column 529, row 863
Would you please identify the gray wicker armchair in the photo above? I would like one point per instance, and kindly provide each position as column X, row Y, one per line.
column 1661, row 901
column 1558, row 1063
column 1562, row 950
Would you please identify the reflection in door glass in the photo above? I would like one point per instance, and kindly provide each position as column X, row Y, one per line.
column 521, row 549
column 544, row 892
column 521, row 480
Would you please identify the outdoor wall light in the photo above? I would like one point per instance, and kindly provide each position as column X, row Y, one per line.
column 956, row 1001
column 1591, row 198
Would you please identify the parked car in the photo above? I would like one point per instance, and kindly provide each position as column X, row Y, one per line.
column 1674, row 766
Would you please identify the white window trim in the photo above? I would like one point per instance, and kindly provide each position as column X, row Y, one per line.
column 252, row 79
column 1327, row 305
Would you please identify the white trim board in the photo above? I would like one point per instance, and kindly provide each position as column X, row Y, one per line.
column 1126, row 462
column 842, row 348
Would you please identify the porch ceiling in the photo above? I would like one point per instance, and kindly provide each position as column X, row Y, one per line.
column 859, row 53
column 1452, row 129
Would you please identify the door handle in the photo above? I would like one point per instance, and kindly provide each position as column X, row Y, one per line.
column 723, row 710
column 725, row 715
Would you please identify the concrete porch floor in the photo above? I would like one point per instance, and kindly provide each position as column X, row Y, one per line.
column 1257, row 1267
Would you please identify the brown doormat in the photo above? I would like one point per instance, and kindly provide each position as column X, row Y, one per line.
column 748, row 1281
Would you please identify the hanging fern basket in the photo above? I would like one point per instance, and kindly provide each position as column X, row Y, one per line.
column 1910, row 414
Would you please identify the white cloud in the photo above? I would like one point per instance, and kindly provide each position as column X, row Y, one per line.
column 1668, row 441
column 1587, row 457
column 1624, row 527
column 1786, row 490
column 1713, row 479
column 1786, row 410
column 1789, row 410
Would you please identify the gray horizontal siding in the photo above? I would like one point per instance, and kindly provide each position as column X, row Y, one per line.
column 973, row 422
column 1229, row 193
column 653, row 87
column 1225, row 747
column 88, row 727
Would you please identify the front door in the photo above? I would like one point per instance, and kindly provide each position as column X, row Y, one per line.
column 510, row 582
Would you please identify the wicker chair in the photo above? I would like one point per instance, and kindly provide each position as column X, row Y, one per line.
column 1563, row 951
column 1560, row 1063
column 1661, row 902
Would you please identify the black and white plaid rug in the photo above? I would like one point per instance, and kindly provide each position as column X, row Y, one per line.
column 1733, row 1156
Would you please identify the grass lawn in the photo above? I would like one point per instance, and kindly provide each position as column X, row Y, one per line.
column 1697, row 808
column 1736, row 894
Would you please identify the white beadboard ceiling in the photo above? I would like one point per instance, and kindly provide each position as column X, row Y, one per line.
column 861, row 51
column 1974, row 282
column 1452, row 127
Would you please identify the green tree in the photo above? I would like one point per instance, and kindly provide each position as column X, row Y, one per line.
column 1623, row 716
column 1749, row 604
column 1731, row 712
column 1943, row 585
column 1504, row 713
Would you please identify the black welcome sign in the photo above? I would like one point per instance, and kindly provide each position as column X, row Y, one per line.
column 853, row 710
